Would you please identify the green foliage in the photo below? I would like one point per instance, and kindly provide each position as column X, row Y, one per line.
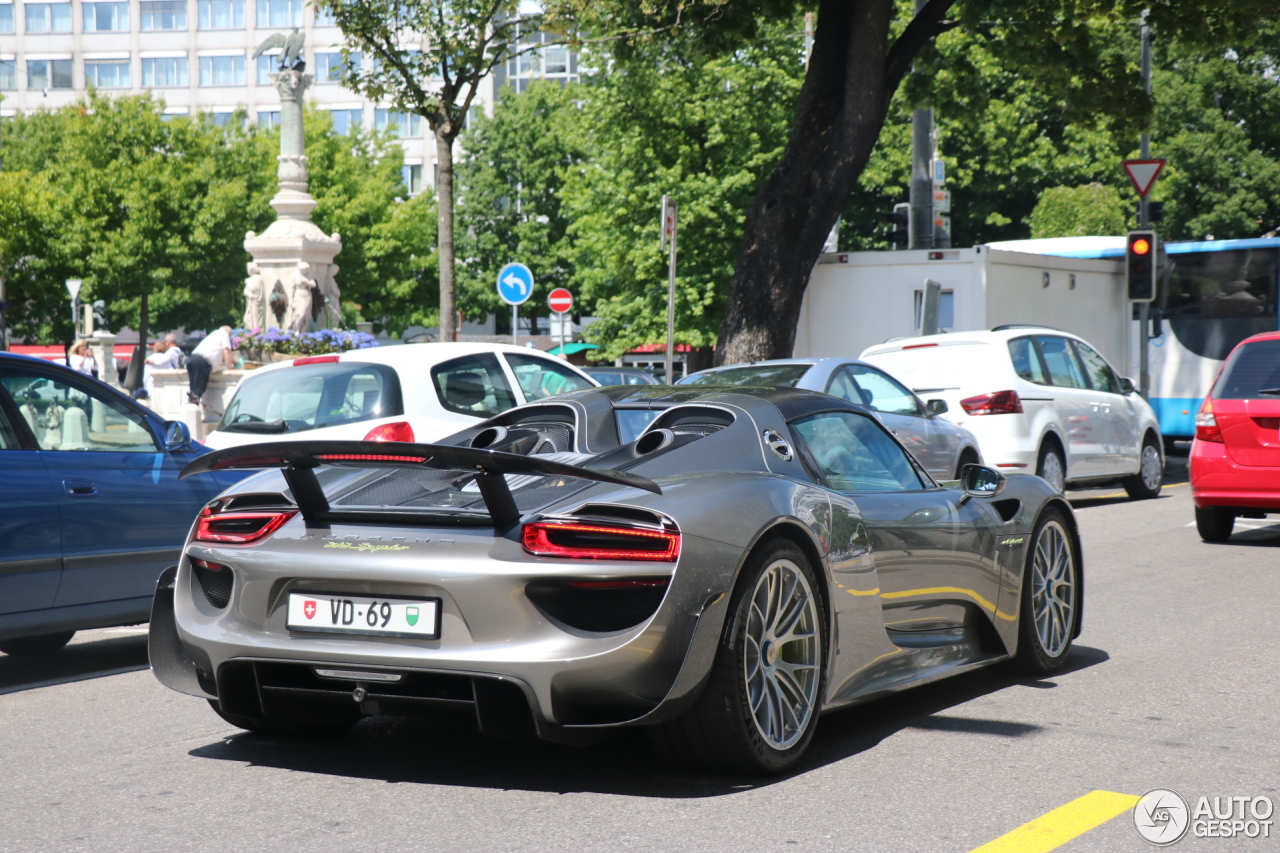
column 404, row 276
column 510, row 204
column 1088, row 210
column 704, row 130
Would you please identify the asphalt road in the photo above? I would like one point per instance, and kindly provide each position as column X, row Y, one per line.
column 1171, row 685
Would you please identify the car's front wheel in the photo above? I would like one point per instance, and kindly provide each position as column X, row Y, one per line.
column 1150, row 477
column 328, row 722
column 1214, row 523
column 42, row 645
column 1050, row 596
column 760, row 706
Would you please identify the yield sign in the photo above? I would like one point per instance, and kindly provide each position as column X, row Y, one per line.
column 560, row 300
column 1143, row 174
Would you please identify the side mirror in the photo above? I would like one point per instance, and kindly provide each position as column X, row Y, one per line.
column 1126, row 386
column 176, row 436
column 936, row 407
column 979, row 481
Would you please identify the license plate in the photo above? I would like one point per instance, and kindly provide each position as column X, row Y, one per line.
column 352, row 614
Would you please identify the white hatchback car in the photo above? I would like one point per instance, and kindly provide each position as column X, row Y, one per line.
column 1038, row 400
column 415, row 392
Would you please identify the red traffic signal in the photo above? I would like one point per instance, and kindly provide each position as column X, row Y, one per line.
column 1140, row 266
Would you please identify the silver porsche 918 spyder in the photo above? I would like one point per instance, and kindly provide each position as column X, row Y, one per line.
column 718, row 565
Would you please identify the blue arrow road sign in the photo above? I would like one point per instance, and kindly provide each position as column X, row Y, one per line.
column 515, row 284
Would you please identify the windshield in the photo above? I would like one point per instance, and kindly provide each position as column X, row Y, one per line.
column 784, row 375
column 544, row 377
column 312, row 396
column 1252, row 371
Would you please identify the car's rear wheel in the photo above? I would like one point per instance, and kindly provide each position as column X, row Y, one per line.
column 1051, row 466
column 967, row 457
column 1150, row 477
column 1050, row 596
column 1214, row 523
column 42, row 645
column 324, row 723
column 760, row 706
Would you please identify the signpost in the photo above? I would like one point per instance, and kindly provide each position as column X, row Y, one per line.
column 669, row 209
column 560, row 301
column 73, row 287
column 515, row 286
column 1142, row 174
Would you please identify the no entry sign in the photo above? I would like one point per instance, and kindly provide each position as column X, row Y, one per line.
column 560, row 300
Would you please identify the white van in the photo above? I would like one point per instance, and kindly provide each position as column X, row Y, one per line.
column 1039, row 401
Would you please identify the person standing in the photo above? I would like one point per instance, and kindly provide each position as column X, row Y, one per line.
column 164, row 356
column 213, row 355
column 81, row 359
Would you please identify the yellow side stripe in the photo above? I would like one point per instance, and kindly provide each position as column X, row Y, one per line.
column 1054, row 829
column 934, row 590
column 875, row 591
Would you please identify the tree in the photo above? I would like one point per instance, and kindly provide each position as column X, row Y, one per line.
column 25, row 236
column 1082, row 211
column 429, row 58
column 702, row 128
column 511, row 205
column 862, row 51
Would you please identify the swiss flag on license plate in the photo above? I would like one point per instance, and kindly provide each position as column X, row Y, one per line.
column 309, row 609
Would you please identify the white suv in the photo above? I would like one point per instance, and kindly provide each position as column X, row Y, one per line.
column 1038, row 400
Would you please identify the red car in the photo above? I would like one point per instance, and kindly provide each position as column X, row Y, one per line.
column 1235, row 458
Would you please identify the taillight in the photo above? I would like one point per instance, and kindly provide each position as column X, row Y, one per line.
column 1206, row 424
column 239, row 528
column 315, row 359
column 578, row 541
column 399, row 431
column 995, row 403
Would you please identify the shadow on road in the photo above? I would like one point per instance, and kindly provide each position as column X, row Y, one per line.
column 1176, row 473
column 91, row 656
column 449, row 750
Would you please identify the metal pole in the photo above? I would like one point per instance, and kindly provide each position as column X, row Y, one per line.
column 671, row 310
column 921, row 190
column 515, row 325
column 1144, row 221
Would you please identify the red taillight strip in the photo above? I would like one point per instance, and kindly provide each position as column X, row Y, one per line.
column 919, row 346
column 536, row 537
column 315, row 359
column 274, row 521
column 368, row 457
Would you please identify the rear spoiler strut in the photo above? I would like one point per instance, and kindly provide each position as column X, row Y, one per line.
column 299, row 459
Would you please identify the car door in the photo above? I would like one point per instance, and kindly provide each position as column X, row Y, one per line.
column 932, row 549
column 124, row 513
column 900, row 410
column 1118, row 425
column 539, row 377
column 1077, row 407
column 30, row 531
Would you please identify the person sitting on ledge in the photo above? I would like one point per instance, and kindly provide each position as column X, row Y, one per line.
column 213, row 355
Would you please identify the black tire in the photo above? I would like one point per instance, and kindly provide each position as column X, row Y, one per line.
column 44, row 644
column 1214, row 523
column 321, row 726
column 1140, row 486
column 720, row 731
column 967, row 457
column 1043, row 464
column 1034, row 656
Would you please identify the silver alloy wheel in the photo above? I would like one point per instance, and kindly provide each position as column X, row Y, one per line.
column 1053, row 473
column 782, row 654
column 1151, row 473
column 1053, row 588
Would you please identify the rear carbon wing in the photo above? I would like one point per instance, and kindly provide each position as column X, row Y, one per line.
column 298, row 460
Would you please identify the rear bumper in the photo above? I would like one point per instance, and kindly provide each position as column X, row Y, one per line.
column 1218, row 481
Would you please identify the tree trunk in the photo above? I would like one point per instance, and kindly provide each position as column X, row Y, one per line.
column 851, row 77
column 444, row 204
column 133, row 378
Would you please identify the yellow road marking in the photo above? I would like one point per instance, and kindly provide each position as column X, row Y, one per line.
column 1054, row 829
column 1124, row 494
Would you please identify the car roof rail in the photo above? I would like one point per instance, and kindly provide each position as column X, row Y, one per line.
column 1007, row 326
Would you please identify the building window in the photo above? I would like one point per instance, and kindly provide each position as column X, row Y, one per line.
column 164, row 72
column 279, row 13
column 555, row 60
column 401, row 124
column 220, row 14
column 8, row 74
column 6, row 17
column 267, row 65
column 330, row 67
column 268, row 118
column 412, row 174
column 345, row 121
column 107, row 73
column 324, row 17
column 222, row 70
column 163, row 14
column 106, row 17
column 48, row 73
column 946, row 310
column 48, row 17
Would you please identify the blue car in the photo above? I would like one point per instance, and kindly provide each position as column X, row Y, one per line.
column 91, row 508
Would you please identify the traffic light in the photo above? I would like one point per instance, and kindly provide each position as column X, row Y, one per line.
column 901, row 217
column 1140, row 266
